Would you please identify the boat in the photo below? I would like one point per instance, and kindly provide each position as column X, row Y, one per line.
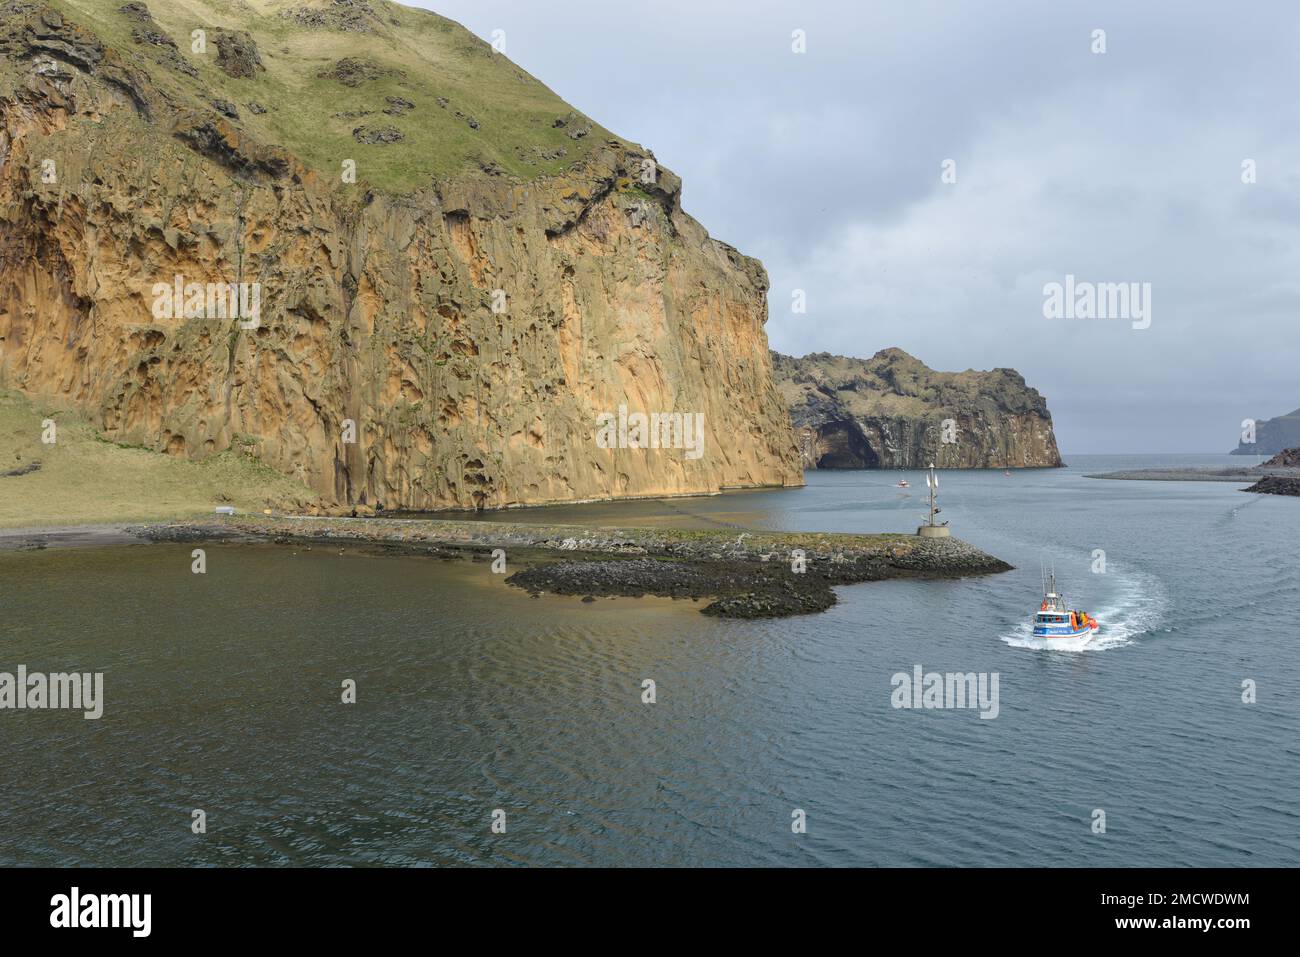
column 1057, row 623
column 902, row 481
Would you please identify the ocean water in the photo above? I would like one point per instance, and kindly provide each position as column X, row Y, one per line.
column 222, row 693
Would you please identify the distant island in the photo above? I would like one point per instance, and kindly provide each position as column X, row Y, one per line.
column 1272, row 436
column 893, row 411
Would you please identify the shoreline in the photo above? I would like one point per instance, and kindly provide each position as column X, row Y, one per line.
column 90, row 535
column 1200, row 474
column 748, row 574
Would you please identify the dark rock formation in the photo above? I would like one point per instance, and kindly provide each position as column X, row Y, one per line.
column 137, row 11
column 398, row 105
column 1287, row 458
column 237, row 54
column 890, row 411
column 353, row 71
column 1276, row 485
column 381, row 135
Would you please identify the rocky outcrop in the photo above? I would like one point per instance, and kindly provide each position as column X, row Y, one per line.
column 1272, row 436
column 891, row 411
column 1275, row 485
column 237, row 54
column 454, row 345
column 1287, row 458
column 750, row 574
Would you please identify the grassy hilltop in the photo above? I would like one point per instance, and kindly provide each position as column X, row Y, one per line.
column 391, row 56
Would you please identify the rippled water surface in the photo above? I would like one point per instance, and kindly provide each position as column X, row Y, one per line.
column 223, row 693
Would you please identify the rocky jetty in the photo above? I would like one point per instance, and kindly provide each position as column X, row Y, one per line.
column 746, row 574
column 1281, row 474
column 1287, row 458
column 892, row 411
column 1276, row 485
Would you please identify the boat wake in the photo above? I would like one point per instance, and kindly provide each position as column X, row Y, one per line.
column 1138, row 610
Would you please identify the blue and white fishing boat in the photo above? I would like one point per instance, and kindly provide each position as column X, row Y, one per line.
column 1057, row 623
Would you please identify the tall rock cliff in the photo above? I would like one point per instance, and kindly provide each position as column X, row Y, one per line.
column 449, row 275
column 891, row 411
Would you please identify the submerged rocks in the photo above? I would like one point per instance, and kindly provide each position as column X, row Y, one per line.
column 746, row 591
column 752, row 583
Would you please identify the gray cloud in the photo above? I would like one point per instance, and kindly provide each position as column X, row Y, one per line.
column 1116, row 167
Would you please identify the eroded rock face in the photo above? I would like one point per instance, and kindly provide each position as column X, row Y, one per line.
column 889, row 411
column 470, row 334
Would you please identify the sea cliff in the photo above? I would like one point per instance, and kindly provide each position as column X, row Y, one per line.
column 893, row 411
column 454, row 273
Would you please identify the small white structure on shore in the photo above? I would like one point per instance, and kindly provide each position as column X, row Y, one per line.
column 933, row 529
column 225, row 510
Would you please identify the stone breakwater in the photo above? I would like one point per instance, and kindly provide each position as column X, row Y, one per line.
column 1268, row 479
column 746, row 574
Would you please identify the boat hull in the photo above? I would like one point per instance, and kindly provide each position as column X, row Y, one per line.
column 1066, row 639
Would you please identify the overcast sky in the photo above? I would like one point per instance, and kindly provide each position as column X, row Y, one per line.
column 1123, row 166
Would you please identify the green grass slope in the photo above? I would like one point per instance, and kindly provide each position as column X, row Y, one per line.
column 84, row 478
column 450, row 76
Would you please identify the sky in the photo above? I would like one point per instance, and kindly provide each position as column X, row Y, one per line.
column 1123, row 166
